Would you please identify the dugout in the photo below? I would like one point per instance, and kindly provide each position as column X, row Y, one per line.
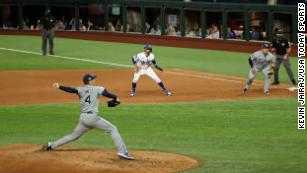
column 136, row 15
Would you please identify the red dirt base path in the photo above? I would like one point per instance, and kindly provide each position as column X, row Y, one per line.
column 35, row 87
column 31, row 159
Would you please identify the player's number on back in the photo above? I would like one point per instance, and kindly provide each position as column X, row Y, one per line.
column 88, row 100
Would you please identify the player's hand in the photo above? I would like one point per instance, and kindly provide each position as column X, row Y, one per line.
column 117, row 99
column 56, row 85
column 286, row 57
column 254, row 70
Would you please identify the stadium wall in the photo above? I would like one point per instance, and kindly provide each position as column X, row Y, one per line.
column 173, row 41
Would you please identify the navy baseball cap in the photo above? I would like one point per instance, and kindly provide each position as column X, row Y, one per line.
column 148, row 47
column 88, row 77
column 265, row 46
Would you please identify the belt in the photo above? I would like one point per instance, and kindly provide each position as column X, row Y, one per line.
column 90, row 112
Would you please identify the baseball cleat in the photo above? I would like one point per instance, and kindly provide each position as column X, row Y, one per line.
column 267, row 92
column 47, row 146
column 125, row 155
column 132, row 94
column 167, row 93
column 245, row 90
column 275, row 83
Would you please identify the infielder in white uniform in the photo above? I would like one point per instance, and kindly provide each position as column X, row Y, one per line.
column 89, row 101
column 143, row 62
column 260, row 62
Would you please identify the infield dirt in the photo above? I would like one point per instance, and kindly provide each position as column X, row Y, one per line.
column 31, row 159
column 35, row 87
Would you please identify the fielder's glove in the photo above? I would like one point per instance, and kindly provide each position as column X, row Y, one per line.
column 271, row 72
column 113, row 103
column 159, row 68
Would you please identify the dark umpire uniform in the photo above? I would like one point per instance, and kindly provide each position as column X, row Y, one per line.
column 47, row 22
column 282, row 47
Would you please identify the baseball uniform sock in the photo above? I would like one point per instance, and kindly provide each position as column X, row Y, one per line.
column 162, row 86
column 133, row 86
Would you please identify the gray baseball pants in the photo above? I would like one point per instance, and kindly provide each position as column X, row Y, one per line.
column 88, row 121
column 267, row 79
column 47, row 35
column 287, row 65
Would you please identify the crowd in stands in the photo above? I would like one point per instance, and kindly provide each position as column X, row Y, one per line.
column 214, row 31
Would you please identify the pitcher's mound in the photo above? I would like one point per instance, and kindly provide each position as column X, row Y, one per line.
column 30, row 158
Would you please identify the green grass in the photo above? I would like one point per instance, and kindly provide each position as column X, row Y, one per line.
column 251, row 136
column 221, row 62
column 227, row 137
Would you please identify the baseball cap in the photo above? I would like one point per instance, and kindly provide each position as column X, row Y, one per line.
column 265, row 46
column 88, row 77
column 148, row 46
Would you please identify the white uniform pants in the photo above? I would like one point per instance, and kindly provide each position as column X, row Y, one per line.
column 149, row 72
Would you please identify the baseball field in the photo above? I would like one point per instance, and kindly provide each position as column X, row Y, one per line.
column 207, row 125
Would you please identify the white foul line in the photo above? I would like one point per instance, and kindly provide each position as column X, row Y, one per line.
column 71, row 58
column 204, row 77
column 123, row 65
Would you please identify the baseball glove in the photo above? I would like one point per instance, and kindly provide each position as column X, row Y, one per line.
column 159, row 68
column 271, row 72
column 113, row 103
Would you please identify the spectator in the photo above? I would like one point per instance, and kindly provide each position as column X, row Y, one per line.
column 118, row 26
column 82, row 27
column 213, row 32
column 157, row 21
column 111, row 27
column 147, row 28
column 60, row 25
column 170, row 30
column 230, row 33
column 155, row 30
column 90, row 25
column 71, row 25
column 255, row 34
column 25, row 24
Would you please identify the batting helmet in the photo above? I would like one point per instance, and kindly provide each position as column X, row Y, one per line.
column 148, row 47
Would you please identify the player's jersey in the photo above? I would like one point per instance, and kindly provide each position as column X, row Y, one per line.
column 89, row 98
column 260, row 61
column 143, row 61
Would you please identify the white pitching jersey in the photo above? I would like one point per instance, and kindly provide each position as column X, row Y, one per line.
column 260, row 61
column 89, row 98
column 143, row 61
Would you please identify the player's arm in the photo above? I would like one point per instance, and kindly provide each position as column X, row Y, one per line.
column 156, row 65
column 288, row 50
column 65, row 88
column 134, row 62
column 251, row 64
column 133, row 59
column 107, row 94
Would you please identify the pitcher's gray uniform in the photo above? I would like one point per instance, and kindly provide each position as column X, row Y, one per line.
column 89, row 102
column 261, row 63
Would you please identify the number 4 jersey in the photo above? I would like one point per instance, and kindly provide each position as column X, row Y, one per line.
column 89, row 98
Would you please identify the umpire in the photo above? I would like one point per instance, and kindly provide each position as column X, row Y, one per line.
column 282, row 47
column 47, row 23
